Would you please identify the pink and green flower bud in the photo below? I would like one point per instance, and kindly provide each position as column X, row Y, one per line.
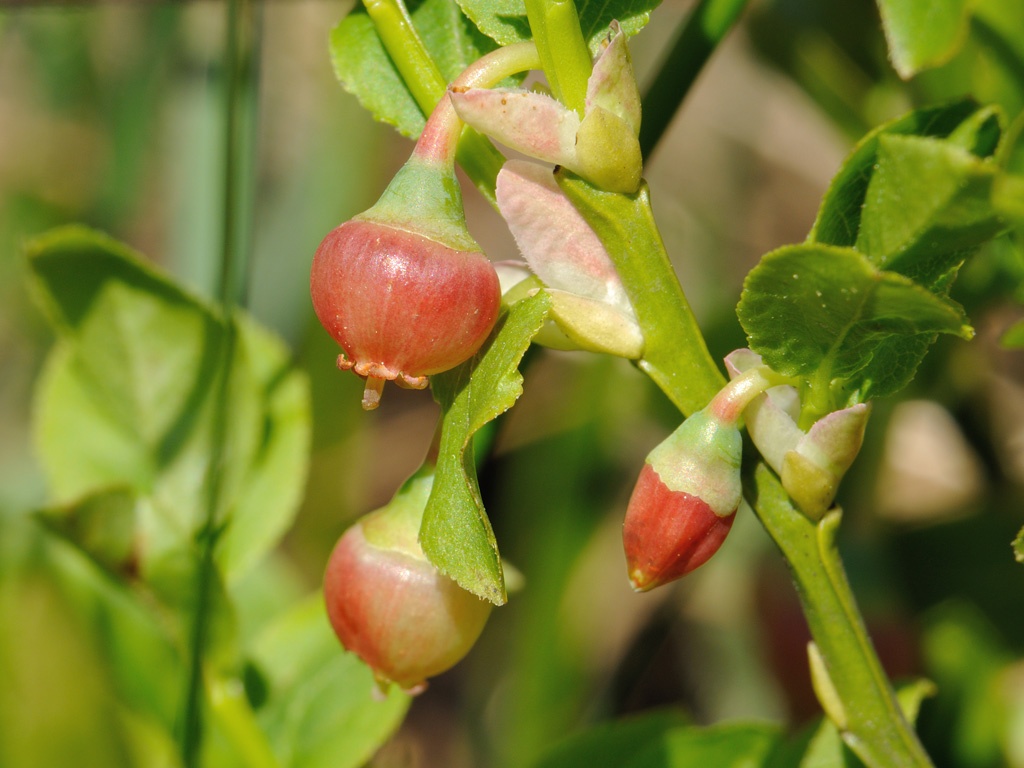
column 389, row 605
column 612, row 84
column 602, row 146
column 403, row 287
column 686, row 498
column 589, row 302
column 684, row 502
column 811, row 472
column 810, row 464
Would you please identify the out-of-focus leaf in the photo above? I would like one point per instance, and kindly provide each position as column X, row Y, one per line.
column 44, row 720
column 1018, row 546
column 127, row 397
column 611, row 745
column 102, row 524
column 138, row 650
column 928, row 205
column 505, row 20
column 1013, row 337
column 366, row 71
column 965, row 656
column 456, row 534
column 817, row 311
column 838, row 220
column 730, row 745
column 923, row 33
column 321, row 710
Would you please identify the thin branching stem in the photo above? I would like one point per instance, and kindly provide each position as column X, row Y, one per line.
column 240, row 90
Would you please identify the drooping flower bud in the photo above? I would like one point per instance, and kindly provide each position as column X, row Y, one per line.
column 404, row 288
column 684, row 502
column 689, row 489
column 390, row 605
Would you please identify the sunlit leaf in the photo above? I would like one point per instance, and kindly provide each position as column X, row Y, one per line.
column 923, row 33
column 366, row 71
column 811, row 310
column 838, row 220
column 456, row 534
column 927, row 207
column 505, row 20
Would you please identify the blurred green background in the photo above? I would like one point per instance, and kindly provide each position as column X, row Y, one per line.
column 111, row 114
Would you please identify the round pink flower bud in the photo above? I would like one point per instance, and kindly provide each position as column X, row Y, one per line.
column 401, row 305
column 389, row 605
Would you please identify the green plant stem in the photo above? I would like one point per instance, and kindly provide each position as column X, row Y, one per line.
column 851, row 684
column 864, row 706
column 564, row 55
column 675, row 354
column 478, row 157
column 705, row 27
column 240, row 89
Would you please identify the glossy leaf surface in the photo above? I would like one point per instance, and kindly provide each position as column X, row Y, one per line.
column 456, row 534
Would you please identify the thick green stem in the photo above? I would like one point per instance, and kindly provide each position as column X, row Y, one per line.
column 849, row 678
column 564, row 55
column 675, row 354
column 704, row 29
column 478, row 157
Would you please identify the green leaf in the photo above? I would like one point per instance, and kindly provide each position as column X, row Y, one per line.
column 364, row 69
column 1018, row 547
column 321, row 709
column 505, row 20
column 1013, row 337
column 819, row 311
column 838, row 220
column 367, row 72
column 126, row 398
column 137, row 643
column 923, row 33
column 665, row 740
column 893, row 365
column 456, row 534
column 967, row 658
column 729, row 745
column 927, row 206
column 611, row 745
column 102, row 524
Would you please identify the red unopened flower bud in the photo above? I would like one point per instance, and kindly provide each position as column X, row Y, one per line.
column 684, row 502
column 390, row 605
